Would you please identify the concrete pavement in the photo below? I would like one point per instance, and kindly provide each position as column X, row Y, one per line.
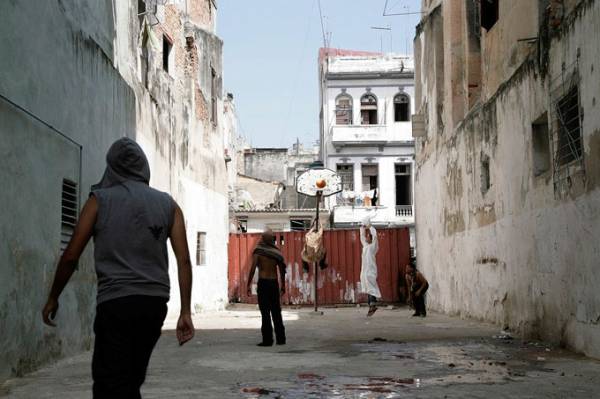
column 342, row 354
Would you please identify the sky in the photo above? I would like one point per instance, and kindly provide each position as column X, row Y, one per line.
column 270, row 57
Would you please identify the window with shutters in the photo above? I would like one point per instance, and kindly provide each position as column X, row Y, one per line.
column 370, row 177
column 343, row 110
column 368, row 109
column 346, row 173
column 69, row 206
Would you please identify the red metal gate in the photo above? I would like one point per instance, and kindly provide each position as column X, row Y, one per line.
column 340, row 282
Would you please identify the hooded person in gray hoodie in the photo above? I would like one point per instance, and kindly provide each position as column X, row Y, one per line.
column 130, row 223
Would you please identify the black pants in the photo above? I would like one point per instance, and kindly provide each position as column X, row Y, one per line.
column 371, row 300
column 419, row 303
column 322, row 264
column 126, row 331
column 270, row 307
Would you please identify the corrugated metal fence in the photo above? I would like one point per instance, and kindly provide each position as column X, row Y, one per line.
column 340, row 282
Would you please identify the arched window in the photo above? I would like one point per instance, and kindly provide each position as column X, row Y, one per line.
column 343, row 110
column 401, row 108
column 368, row 109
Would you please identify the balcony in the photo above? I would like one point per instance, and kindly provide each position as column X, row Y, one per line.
column 348, row 215
column 404, row 211
column 352, row 135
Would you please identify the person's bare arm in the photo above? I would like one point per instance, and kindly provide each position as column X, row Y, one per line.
column 363, row 239
column 408, row 279
column 374, row 240
column 185, row 326
column 70, row 258
column 254, row 261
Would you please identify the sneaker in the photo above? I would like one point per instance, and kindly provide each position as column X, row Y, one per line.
column 372, row 310
column 416, row 314
column 265, row 344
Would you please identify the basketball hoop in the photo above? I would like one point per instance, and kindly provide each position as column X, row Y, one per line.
column 318, row 182
column 323, row 182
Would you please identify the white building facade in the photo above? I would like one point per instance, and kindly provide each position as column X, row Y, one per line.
column 366, row 135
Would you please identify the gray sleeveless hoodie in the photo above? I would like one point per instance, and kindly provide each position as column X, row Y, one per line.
column 132, row 227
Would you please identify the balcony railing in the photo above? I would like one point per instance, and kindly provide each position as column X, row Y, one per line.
column 404, row 210
column 348, row 134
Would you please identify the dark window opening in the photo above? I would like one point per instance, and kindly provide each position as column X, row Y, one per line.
column 490, row 13
column 485, row 174
column 144, row 65
column 346, row 173
column 141, row 10
column 368, row 109
column 343, row 110
column 299, row 224
column 213, row 95
column 201, row 249
column 167, row 47
column 242, row 225
column 370, row 178
column 401, row 108
column 403, row 184
column 68, row 217
column 569, row 147
column 541, row 145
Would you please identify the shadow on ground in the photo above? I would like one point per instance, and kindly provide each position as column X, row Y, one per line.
column 341, row 354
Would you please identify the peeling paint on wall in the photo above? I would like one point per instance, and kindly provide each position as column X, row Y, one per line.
column 526, row 257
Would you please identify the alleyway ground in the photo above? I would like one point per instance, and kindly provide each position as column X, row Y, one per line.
column 341, row 354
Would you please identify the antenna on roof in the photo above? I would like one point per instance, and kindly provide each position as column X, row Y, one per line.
column 387, row 14
column 388, row 28
column 322, row 25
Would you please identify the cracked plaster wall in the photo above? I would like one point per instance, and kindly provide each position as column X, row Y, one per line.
column 518, row 254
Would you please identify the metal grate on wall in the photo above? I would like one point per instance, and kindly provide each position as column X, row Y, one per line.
column 201, row 249
column 69, row 206
column 567, row 132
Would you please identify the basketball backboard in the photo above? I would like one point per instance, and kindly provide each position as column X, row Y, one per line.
column 321, row 180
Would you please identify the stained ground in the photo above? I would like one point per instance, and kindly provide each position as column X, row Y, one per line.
column 340, row 354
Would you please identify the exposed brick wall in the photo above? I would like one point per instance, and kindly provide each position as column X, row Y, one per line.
column 174, row 29
column 201, row 106
column 202, row 12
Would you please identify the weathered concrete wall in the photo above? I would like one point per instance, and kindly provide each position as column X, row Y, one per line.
column 522, row 253
column 275, row 164
column 186, row 146
column 280, row 165
column 263, row 192
column 61, row 72
column 80, row 73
